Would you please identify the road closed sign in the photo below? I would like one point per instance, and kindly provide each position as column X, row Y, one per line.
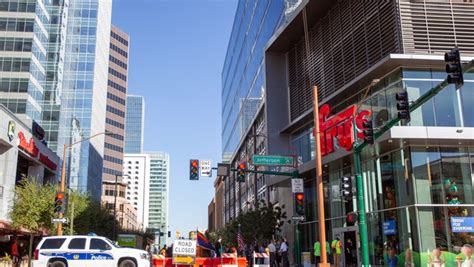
column 184, row 247
column 184, row 252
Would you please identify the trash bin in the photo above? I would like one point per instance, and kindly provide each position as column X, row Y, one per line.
column 306, row 259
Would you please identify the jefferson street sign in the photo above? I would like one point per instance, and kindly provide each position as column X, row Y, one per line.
column 273, row 160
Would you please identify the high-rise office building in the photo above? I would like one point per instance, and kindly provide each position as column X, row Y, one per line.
column 115, row 111
column 159, row 191
column 54, row 59
column 23, row 50
column 84, row 91
column 134, row 124
column 243, row 90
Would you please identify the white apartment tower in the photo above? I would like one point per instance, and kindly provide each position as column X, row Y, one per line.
column 147, row 177
column 136, row 173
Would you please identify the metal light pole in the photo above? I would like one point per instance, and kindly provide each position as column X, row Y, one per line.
column 63, row 172
column 115, row 205
column 319, row 181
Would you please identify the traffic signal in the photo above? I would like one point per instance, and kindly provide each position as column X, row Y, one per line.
column 403, row 106
column 241, row 172
column 60, row 203
column 454, row 67
column 194, row 169
column 351, row 218
column 368, row 132
column 346, row 187
column 299, row 204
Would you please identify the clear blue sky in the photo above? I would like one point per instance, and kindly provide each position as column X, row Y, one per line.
column 177, row 52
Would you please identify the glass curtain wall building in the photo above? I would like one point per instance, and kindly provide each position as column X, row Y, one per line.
column 134, row 124
column 418, row 176
column 24, row 40
column 51, row 104
column 242, row 74
column 159, row 193
column 84, row 91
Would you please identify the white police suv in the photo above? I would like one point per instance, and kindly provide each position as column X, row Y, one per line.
column 86, row 251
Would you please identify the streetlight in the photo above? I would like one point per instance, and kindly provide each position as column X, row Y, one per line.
column 63, row 170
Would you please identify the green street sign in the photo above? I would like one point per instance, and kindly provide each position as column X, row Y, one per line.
column 273, row 160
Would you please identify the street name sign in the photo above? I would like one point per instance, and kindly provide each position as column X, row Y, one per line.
column 58, row 220
column 298, row 218
column 297, row 185
column 184, row 252
column 206, row 168
column 273, row 160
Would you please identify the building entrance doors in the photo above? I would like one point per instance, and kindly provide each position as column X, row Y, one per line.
column 349, row 246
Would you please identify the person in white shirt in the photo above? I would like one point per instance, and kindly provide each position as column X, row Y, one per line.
column 284, row 253
column 272, row 249
column 467, row 251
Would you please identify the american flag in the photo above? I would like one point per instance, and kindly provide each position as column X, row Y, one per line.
column 240, row 241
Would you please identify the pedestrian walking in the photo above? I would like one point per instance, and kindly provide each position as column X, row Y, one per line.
column 278, row 254
column 15, row 254
column 467, row 250
column 349, row 252
column 317, row 252
column 336, row 247
column 284, row 253
column 272, row 251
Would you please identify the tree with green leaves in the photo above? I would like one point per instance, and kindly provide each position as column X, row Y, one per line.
column 259, row 224
column 33, row 208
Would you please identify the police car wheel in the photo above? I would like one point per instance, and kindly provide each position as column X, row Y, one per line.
column 57, row 264
column 127, row 263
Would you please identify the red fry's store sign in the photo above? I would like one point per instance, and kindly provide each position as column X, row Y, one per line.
column 31, row 149
column 337, row 130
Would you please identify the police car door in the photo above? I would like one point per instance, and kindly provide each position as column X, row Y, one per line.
column 100, row 254
column 76, row 252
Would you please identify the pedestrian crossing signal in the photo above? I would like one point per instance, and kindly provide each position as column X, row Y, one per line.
column 194, row 169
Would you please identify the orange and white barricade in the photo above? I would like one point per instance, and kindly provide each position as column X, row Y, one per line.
column 229, row 256
column 261, row 260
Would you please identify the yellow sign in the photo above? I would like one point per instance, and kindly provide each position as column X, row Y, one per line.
column 184, row 260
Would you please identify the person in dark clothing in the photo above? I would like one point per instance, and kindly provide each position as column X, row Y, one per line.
column 169, row 251
column 349, row 252
column 218, row 248
column 248, row 255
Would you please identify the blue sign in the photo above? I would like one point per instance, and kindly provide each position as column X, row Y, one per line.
column 390, row 227
column 462, row 224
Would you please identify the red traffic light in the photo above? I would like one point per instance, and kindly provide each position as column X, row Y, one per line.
column 194, row 163
column 60, row 196
column 299, row 196
column 242, row 166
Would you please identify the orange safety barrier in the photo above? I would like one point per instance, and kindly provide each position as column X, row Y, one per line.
column 241, row 261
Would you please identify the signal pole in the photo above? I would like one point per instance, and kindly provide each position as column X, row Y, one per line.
column 319, row 181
